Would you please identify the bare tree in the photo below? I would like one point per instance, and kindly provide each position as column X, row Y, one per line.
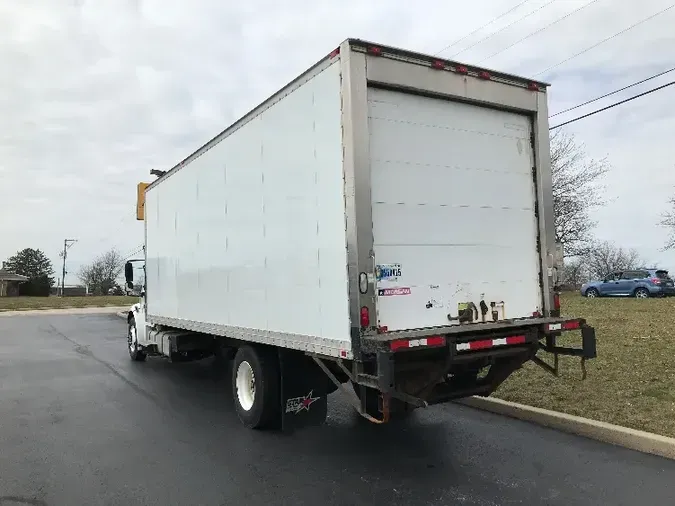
column 668, row 221
column 576, row 191
column 574, row 273
column 605, row 257
column 101, row 274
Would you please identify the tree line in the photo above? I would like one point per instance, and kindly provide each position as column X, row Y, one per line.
column 100, row 276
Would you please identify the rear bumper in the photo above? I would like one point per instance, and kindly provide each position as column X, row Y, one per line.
column 667, row 291
column 442, row 367
column 453, row 334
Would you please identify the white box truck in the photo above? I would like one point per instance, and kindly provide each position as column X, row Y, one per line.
column 385, row 220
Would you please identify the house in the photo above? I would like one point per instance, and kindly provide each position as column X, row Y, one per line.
column 9, row 282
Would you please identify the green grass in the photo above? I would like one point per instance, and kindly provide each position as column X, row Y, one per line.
column 26, row 303
column 630, row 383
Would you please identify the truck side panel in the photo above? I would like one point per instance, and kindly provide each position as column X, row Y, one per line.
column 248, row 239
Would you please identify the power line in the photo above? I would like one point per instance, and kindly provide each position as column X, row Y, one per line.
column 606, row 39
column 614, row 92
column 481, row 27
column 613, row 105
column 136, row 250
column 540, row 30
column 503, row 28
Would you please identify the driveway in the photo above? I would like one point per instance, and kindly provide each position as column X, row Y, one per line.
column 80, row 424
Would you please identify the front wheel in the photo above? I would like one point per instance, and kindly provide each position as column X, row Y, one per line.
column 592, row 293
column 135, row 351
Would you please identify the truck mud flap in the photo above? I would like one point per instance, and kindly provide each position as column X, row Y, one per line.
column 304, row 395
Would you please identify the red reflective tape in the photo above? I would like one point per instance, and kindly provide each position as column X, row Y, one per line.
column 436, row 341
column 479, row 345
column 571, row 325
column 398, row 344
column 423, row 342
column 515, row 340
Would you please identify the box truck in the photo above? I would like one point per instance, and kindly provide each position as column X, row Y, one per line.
column 381, row 225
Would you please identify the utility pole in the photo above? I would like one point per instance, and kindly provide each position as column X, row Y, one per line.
column 67, row 243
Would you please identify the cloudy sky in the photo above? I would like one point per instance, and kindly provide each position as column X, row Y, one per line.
column 95, row 93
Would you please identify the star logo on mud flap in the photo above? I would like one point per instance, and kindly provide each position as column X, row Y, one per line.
column 298, row 404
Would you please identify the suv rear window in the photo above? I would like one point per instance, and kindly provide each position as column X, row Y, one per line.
column 661, row 274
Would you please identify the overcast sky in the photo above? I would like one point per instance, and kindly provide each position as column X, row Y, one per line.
column 94, row 94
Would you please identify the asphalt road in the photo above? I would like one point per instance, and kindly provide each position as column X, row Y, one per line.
column 80, row 424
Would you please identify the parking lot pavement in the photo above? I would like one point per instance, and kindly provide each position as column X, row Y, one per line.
column 80, row 424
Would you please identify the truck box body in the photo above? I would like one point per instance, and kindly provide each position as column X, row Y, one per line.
column 379, row 192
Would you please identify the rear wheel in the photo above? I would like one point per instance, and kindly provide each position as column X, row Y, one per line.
column 135, row 351
column 592, row 293
column 641, row 293
column 256, row 388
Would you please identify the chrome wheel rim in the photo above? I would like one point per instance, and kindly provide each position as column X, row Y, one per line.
column 245, row 383
column 132, row 338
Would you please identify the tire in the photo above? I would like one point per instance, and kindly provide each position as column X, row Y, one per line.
column 592, row 293
column 641, row 293
column 136, row 354
column 256, row 387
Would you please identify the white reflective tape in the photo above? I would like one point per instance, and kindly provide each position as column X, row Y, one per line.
column 463, row 346
column 499, row 342
column 554, row 326
column 414, row 343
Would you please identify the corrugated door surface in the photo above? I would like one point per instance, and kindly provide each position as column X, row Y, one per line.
column 453, row 211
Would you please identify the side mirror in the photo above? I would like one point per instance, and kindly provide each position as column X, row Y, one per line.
column 129, row 275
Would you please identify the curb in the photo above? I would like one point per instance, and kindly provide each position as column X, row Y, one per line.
column 64, row 311
column 645, row 442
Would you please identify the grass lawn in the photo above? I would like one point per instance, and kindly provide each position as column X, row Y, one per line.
column 630, row 383
column 24, row 303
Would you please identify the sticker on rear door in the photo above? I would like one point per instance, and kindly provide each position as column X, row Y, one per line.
column 388, row 272
column 391, row 292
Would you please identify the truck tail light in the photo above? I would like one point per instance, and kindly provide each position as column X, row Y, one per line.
column 365, row 317
column 375, row 51
column 438, row 64
column 461, row 69
column 556, row 301
column 484, row 74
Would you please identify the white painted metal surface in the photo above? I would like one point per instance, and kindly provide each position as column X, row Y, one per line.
column 453, row 209
column 248, row 239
